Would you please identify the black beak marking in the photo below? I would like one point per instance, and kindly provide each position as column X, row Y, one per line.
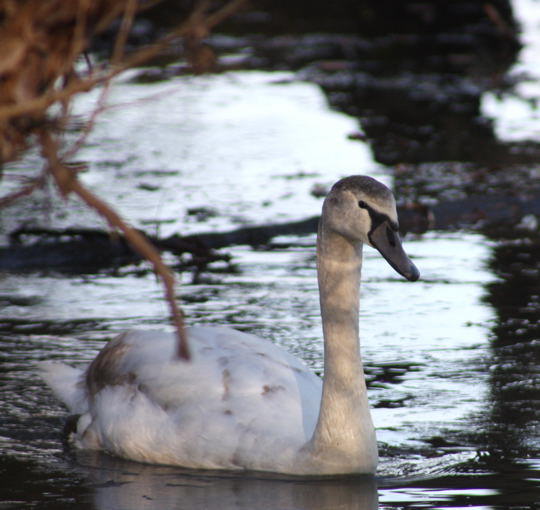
column 383, row 236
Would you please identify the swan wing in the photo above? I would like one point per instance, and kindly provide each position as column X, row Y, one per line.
column 238, row 400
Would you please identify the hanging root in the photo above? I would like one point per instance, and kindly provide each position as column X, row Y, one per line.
column 41, row 42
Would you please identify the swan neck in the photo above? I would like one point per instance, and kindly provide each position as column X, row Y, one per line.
column 344, row 424
column 339, row 265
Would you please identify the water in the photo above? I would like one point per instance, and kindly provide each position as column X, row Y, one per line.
column 451, row 360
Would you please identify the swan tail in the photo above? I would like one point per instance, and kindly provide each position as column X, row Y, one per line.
column 67, row 383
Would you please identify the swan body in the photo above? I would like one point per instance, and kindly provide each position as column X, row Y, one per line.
column 152, row 403
column 242, row 403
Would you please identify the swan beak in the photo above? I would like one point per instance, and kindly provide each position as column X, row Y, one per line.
column 386, row 240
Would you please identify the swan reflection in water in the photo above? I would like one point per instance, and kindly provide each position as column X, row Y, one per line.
column 125, row 485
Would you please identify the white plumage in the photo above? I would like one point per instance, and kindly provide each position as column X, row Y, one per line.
column 258, row 400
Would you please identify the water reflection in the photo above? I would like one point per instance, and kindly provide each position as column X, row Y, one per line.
column 511, row 489
column 505, row 433
column 512, row 422
column 26, row 484
column 425, row 367
column 126, row 485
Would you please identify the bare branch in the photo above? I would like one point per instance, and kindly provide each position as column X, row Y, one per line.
column 125, row 27
column 21, row 192
column 68, row 182
column 39, row 71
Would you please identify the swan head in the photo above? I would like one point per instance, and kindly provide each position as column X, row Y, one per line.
column 363, row 210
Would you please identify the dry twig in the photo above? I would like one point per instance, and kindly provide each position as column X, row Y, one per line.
column 41, row 41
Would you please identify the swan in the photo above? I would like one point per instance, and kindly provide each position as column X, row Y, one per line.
column 242, row 403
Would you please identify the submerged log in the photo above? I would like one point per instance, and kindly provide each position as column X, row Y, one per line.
column 253, row 236
column 86, row 250
column 77, row 250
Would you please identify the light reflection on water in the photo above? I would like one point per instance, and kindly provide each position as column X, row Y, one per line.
column 516, row 115
column 431, row 348
column 423, row 390
column 250, row 157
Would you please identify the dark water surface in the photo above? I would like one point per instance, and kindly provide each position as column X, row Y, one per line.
column 451, row 364
column 452, row 360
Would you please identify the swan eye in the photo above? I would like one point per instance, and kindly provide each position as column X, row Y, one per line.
column 362, row 204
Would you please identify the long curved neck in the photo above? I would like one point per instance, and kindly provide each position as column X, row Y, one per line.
column 344, row 423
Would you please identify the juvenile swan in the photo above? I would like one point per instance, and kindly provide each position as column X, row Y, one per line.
column 243, row 403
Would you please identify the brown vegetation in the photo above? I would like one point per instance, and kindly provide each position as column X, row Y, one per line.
column 43, row 42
